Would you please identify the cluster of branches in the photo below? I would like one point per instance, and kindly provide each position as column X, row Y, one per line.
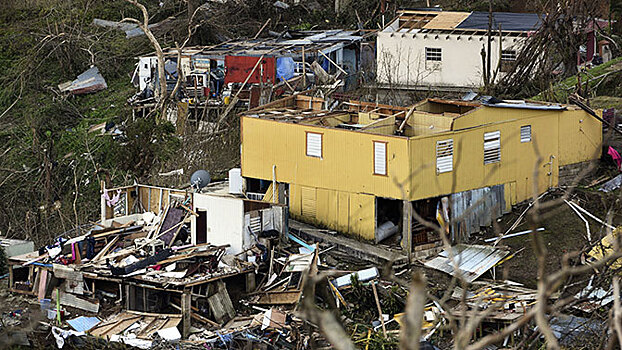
column 551, row 52
column 463, row 328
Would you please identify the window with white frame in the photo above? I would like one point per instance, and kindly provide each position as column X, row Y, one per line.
column 525, row 133
column 314, row 144
column 492, row 147
column 380, row 158
column 433, row 54
column 444, row 156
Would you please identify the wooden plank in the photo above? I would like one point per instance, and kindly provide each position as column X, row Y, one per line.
column 154, row 326
column 104, row 250
column 186, row 311
column 220, row 304
column 71, row 300
column 119, row 327
column 279, row 298
column 43, row 282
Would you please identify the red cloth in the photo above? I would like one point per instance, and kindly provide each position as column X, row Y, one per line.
column 615, row 155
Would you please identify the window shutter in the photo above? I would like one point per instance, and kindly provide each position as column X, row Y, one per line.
column 314, row 144
column 444, row 156
column 492, row 147
column 525, row 133
column 380, row 158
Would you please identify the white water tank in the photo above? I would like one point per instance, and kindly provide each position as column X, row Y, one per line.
column 235, row 181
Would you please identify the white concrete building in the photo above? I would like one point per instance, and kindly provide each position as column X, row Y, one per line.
column 444, row 49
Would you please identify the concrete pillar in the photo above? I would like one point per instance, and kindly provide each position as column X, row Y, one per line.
column 407, row 233
column 186, row 309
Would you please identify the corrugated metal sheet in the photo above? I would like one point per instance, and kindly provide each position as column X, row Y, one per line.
column 89, row 81
column 472, row 260
column 471, row 210
column 239, row 67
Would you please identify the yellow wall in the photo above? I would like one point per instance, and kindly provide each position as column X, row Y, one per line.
column 469, row 171
column 580, row 137
column 338, row 191
column 335, row 210
column 346, row 165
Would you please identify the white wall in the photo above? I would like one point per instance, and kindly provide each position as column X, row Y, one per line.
column 225, row 221
column 145, row 67
column 401, row 58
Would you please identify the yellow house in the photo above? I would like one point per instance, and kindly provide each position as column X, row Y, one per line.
column 368, row 170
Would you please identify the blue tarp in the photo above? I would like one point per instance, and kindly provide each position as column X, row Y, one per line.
column 285, row 68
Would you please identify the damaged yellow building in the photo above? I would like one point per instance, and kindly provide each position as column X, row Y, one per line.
column 353, row 171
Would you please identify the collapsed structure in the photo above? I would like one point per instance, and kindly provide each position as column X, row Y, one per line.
column 369, row 170
column 166, row 254
column 250, row 71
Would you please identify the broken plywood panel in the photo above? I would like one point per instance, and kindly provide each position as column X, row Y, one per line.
column 148, row 324
column 71, row 300
column 74, row 280
column 220, row 304
column 279, row 298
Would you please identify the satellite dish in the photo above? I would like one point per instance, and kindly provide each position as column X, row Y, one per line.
column 200, row 179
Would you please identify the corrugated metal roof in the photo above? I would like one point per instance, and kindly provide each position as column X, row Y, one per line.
column 473, row 260
column 506, row 21
column 527, row 105
column 89, row 81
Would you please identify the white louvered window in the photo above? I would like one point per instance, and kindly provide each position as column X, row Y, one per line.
column 508, row 55
column 492, row 147
column 433, row 54
column 380, row 158
column 314, row 144
column 444, row 156
column 525, row 133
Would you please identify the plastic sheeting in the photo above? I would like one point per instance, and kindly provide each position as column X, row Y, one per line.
column 285, row 68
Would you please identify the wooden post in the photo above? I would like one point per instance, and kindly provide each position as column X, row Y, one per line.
column 186, row 313
column 304, row 70
column 251, row 283
column 373, row 287
column 11, row 278
column 407, row 233
column 127, row 297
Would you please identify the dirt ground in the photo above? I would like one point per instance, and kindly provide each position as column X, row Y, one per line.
column 564, row 232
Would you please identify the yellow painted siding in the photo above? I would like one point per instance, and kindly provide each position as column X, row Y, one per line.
column 363, row 215
column 346, row 165
column 518, row 160
column 426, row 120
column 487, row 115
column 343, row 211
column 350, row 213
column 580, row 137
column 327, row 208
column 338, row 190
column 308, row 197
